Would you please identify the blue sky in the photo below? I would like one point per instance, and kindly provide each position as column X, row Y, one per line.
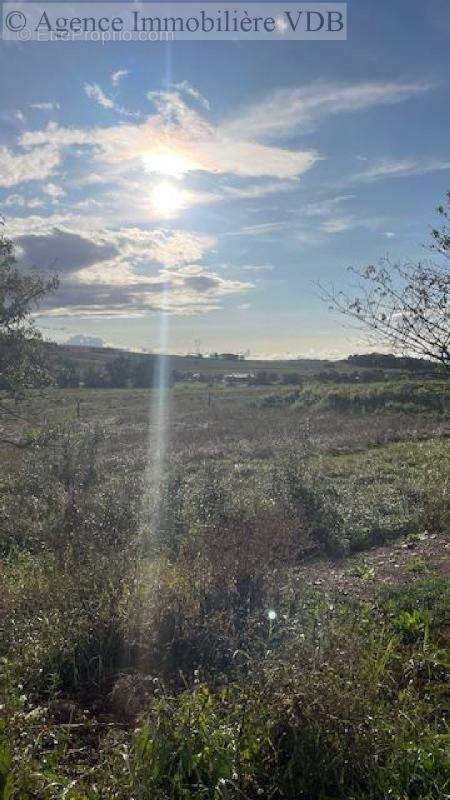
column 218, row 182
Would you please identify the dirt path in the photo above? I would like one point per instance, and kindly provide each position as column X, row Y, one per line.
column 398, row 562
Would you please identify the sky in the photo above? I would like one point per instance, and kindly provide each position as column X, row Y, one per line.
column 205, row 189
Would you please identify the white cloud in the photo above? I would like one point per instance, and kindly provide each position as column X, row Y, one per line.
column 299, row 110
column 258, row 190
column 118, row 75
column 123, row 272
column 114, row 267
column 81, row 340
column 95, row 93
column 176, row 139
column 334, row 225
column 55, row 135
column 257, row 267
column 14, row 200
column 348, row 222
column 46, row 106
column 261, row 229
column 325, row 206
column 166, row 247
column 400, row 168
column 18, row 201
column 191, row 91
column 56, row 193
column 33, row 165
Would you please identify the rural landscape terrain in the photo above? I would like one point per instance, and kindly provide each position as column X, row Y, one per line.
column 269, row 620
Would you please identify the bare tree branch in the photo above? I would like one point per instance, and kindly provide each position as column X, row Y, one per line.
column 407, row 305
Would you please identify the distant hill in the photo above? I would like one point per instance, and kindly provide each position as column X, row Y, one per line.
column 84, row 355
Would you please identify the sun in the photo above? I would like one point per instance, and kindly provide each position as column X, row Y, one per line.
column 167, row 198
column 172, row 163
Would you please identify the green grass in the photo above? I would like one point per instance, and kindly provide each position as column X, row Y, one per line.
column 339, row 699
column 383, row 491
column 407, row 396
column 191, row 659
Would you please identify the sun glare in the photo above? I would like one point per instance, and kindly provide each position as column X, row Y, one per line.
column 167, row 162
column 167, row 198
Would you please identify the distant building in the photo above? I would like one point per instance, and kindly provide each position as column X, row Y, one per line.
column 231, row 357
column 238, row 377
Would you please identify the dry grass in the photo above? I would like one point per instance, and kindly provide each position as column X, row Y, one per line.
column 248, row 671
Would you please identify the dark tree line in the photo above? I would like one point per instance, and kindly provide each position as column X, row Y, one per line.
column 116, row 373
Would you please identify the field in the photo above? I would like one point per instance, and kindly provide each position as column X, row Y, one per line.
column 227, row 591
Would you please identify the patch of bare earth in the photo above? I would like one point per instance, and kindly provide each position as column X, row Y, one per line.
column 362, row 574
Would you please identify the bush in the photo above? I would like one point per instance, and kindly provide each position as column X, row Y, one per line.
column 400, row 396
column 217, row 557
column 320, row 713
column 69, row 551
column 69, row 616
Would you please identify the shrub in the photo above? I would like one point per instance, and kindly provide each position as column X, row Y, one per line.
column 306, row 506
column 320, row 714
column 196, row 746
column 401, row 396
column 69, row 616
column 217, row 557
column 411, row 625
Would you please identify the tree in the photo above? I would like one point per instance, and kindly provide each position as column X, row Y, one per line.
column 406, row 305
column 95, row 377
column 68, row 375
column 143, row 372
column 22, row 356
column 119, row 372
column 441, row 236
